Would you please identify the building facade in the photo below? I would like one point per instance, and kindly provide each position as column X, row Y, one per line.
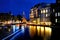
column 40, row 14
column 55, row 16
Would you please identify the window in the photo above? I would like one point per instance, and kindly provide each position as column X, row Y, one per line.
column 53, row 10
column 46, row 10
column 56, row 20
column 46, row 15
column 43, row 11
column 58, row 14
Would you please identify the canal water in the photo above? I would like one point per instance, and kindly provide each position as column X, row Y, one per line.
column 40, row 31
column 32, row 31
column 8, row 30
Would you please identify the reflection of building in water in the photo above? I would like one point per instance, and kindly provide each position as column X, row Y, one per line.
column 32, row 30
column 40, row 14
column 15, row 28
column 45, row 33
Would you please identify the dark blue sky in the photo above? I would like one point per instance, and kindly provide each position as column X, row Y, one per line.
column 18, row 6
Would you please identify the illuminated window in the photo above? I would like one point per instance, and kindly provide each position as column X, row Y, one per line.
column 55, row 20
column 46, row 15
column 55, row 14
column 53, row 10
column 43, row 11
column 58, row 14
column 46, row 10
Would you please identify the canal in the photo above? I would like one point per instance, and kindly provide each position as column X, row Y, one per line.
column 29, row 32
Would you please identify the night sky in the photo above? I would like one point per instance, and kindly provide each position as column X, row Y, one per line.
column 18, row 6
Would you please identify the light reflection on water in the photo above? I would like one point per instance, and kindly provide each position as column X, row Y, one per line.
column 15, row 28
column 48, row 31
column 40, row 30
column 32, row 30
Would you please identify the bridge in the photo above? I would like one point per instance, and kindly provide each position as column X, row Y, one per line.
column 25, row 23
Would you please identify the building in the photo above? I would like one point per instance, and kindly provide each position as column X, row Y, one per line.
column 40, row 14
column 23, row 18
column 55, row 16
column 57, row 1
column 5, row 16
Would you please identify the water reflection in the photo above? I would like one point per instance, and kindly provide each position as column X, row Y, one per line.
column 32, row 30
column 15, row 28
column 48, row 31
column 44, row 32
column 40, row 30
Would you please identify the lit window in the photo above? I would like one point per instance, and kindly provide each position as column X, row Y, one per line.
column 46, row 10
column 46, row 15
column 31, row 11
column 55, row 20
column 43, row 11
column 55, row 14
column 58, row 14
column 53, row 10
